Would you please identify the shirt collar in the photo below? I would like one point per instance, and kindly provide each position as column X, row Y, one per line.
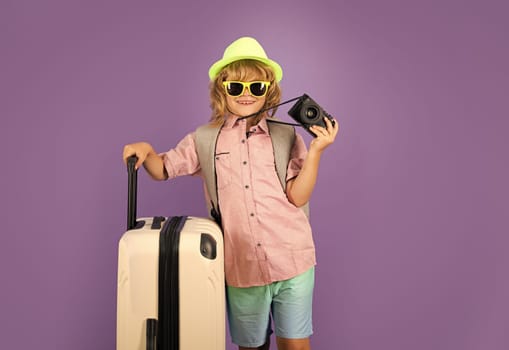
column 263, row 125
column 233, row 121
column 230, row 121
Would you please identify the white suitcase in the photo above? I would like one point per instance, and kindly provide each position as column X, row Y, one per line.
column 180, row 259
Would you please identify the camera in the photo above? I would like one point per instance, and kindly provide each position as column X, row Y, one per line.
column 308, row 113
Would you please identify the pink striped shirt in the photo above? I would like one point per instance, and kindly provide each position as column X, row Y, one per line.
column 266, row 238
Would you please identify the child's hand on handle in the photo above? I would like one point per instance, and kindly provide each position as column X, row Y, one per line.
column 148, row 157
column 140, row 150
column 324, row 136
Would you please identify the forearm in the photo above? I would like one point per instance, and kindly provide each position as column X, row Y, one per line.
column 154, row 166
column 299, row 189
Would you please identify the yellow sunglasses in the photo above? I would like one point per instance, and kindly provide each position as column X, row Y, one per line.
column 256, row 88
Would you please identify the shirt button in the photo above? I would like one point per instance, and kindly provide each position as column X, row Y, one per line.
column 247, row 186
column 244, row 162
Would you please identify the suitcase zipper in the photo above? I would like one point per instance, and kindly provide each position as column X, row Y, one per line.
column 168, row 309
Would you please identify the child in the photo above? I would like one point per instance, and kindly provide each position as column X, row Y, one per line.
column 255, row 195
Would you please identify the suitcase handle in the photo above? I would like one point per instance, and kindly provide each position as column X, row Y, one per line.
column 151, row 333
column 132, row 186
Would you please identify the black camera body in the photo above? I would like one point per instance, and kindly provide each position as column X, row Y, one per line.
column 308, row 113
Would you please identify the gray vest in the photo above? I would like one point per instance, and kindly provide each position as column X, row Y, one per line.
column 283, row 137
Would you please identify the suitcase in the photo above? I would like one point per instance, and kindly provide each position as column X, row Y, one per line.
column 171, row 288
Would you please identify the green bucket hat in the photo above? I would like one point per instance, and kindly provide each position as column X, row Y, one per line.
column 241, row 49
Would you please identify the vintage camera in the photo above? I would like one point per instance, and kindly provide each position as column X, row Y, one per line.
column 307, row 113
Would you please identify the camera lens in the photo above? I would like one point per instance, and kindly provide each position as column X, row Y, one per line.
column 311, row 113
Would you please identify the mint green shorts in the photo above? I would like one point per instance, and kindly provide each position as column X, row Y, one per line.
column 289, row 302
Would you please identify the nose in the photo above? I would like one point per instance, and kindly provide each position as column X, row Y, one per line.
column 246, row 91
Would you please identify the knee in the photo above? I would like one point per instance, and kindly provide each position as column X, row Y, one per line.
column 293, row 344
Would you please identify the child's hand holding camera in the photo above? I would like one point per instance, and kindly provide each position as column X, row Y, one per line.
column 324, row 136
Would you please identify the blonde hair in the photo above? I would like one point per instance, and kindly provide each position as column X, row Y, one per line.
column 243, row 70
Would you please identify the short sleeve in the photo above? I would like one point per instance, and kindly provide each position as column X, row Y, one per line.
column 297, row 156
column 183, row 159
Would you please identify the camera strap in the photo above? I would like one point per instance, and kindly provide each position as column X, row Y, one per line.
column 268, row 109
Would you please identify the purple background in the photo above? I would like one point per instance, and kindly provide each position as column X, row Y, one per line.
column 410, row 213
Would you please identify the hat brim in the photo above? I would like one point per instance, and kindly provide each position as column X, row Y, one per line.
column 217, row 66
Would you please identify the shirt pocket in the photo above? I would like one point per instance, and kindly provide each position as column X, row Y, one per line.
column 223, row 169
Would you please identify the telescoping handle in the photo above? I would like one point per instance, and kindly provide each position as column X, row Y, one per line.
column 151, row 334
column 132, row 180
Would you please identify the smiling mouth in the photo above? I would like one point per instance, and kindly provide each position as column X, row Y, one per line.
column 245, row 103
